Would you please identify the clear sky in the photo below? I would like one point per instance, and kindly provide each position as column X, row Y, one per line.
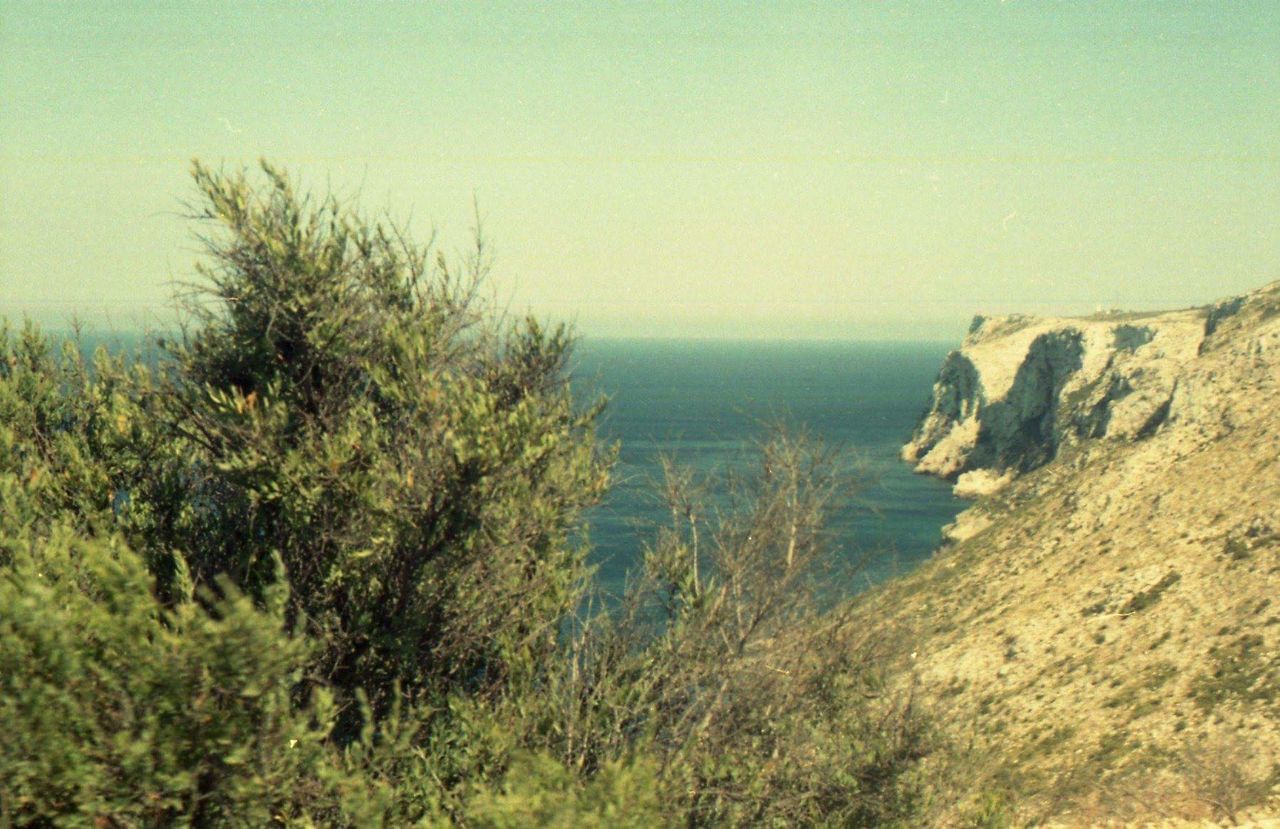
column 851, row 170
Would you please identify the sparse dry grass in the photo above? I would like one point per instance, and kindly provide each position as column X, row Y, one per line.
column 1124, row 590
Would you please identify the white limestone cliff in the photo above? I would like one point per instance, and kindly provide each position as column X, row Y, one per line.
column 1107, row 621
column 1021, row 388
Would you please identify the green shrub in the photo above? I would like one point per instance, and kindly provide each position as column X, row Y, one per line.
column 419, row 466
column 760, row 707
column 1242, row 670
column 117, row 709
column 319, row 563
column 537, row 790
column 58, row 443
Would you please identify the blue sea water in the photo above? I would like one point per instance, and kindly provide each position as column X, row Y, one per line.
column 706, row 402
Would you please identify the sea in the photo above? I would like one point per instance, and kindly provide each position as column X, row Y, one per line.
column 706, row 404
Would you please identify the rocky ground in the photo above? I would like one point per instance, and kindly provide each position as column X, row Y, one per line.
column 1102, row 634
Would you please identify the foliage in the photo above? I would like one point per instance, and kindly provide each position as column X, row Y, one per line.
column 538, row 790
column 60, row 435
column 320, row 564
column 1242, row 670
column 762, row 708
column 115, row 706
column 419, row 469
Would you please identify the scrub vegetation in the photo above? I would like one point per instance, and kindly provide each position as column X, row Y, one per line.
column 323, row 563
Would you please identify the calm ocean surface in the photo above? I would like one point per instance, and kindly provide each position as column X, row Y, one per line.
column 705, row 402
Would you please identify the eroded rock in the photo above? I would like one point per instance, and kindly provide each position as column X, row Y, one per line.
column 1021, row 388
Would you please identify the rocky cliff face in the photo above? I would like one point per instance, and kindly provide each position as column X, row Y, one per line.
column 1104, row 631
column 1022, row 388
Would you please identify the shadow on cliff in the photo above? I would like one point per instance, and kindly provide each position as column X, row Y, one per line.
column 1020, row 431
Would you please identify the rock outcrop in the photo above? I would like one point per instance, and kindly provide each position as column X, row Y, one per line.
column 1021, row 388
column 1103, row 629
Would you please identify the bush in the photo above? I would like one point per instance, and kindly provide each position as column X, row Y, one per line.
column 116, row 708
column 319, row 563
column 761, row 708
column 341, row 402
column 58, row 444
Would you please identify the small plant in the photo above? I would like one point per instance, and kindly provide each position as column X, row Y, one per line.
column 1218, row 776
column 993, row 812
column 1240, row 671
column 1146, row 598
column 1111, row 747
column 1158, row 674
column 1237, row 549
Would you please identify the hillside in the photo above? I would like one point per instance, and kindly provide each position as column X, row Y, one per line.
column 1102, row 627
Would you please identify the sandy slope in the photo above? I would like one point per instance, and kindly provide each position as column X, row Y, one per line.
column 1106, row 638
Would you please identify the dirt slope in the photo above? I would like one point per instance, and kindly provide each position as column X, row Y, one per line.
column 1104, row 638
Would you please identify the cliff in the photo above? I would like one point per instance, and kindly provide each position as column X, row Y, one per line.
column 1101, row 631
column 1022, row 388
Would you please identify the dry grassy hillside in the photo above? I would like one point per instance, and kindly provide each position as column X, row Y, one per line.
column 1104, row 643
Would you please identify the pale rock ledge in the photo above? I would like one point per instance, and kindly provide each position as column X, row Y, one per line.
column 1021, row 388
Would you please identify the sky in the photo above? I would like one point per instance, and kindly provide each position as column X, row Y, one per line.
column 785, row 170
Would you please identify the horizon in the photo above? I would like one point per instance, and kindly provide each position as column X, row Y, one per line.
column 67, row 328
column 69, row 323
column 803, row 172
